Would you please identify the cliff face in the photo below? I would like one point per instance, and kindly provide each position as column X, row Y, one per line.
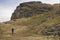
column 29, row 9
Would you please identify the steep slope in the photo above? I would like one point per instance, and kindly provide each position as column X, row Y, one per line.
column 34, row 19
column 43, row 24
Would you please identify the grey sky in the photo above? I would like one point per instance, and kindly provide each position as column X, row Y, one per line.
column 7, row 7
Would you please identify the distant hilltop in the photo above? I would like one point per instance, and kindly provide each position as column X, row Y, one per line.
column 29, row 9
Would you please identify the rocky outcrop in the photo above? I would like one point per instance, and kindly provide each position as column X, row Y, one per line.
column 53, row 30
column 28, row 9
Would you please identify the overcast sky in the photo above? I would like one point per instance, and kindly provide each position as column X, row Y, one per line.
column 7, row 7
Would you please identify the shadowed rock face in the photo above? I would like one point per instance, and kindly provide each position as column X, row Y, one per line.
column 29, row 9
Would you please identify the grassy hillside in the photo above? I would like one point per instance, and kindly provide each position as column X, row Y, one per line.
column 45, row 26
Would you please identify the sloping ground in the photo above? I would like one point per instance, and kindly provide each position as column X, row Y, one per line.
column 6, row 34
column 33, row 26
column 45, row 26
column 23, row 32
